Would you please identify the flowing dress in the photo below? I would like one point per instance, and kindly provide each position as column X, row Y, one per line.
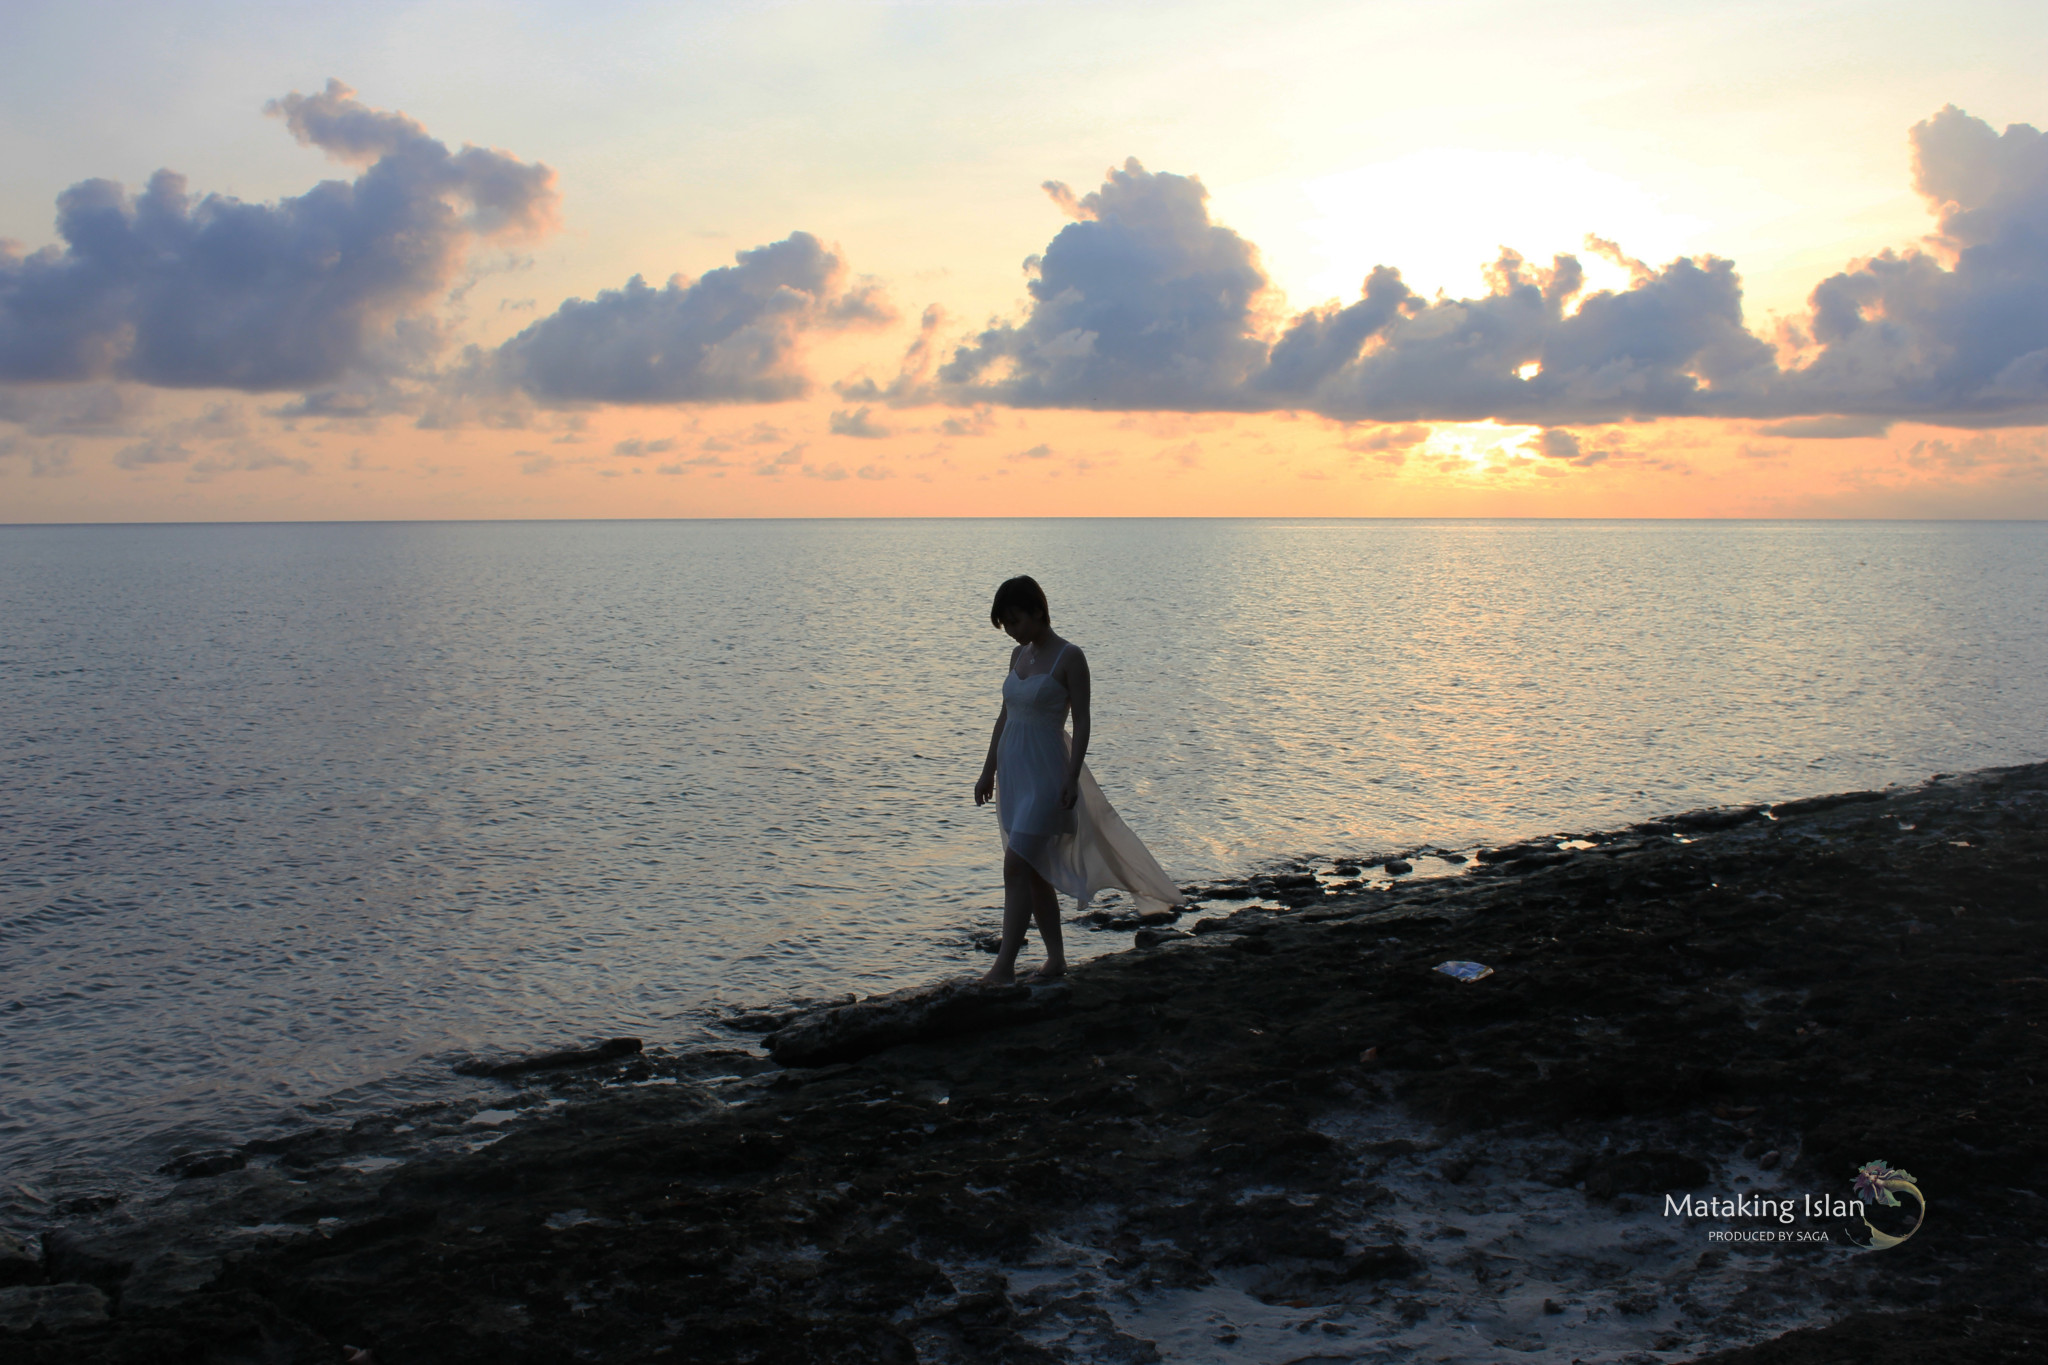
column 1080, row 851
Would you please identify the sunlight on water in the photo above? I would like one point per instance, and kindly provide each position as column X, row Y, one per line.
column 294, row 814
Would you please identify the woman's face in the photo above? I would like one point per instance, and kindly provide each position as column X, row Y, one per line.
column 1023, row 626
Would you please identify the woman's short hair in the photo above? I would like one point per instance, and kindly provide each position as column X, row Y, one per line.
column 1021, row 593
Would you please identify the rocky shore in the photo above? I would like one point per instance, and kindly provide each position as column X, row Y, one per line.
column 1277, row 1134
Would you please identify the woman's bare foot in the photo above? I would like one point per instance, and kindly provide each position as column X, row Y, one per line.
column 1051, row 971
column 999, row 976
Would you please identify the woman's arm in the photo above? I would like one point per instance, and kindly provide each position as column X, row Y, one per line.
column 1077, row 684
column 985, row 785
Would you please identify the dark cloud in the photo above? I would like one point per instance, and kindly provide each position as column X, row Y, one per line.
column 857, row 423
column 635, row 449
column 979, row 422
column 45, row 459
column 1146, row 304
column 729, row 337
column 1965, row 338
column 167, row 289
column 1672, row 344
column 1827, row 428
column 1142, row 303
column 77, row 409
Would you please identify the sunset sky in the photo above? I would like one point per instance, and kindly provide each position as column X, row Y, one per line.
column 286, row 261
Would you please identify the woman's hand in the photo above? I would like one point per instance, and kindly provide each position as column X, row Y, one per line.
column 1070, row 792
column 984, row 788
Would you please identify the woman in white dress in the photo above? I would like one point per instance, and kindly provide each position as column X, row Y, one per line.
column 1059, row 832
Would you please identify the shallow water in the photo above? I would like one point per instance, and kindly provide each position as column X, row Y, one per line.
column 295, row 814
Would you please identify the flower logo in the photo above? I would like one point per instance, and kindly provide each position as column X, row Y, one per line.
column 1878, row 1183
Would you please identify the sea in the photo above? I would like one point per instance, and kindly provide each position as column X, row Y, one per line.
column 293, row 817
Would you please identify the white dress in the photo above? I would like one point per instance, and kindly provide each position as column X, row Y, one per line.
column 1080, row 851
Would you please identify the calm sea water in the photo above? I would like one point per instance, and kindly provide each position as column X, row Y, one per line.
column 293, row 815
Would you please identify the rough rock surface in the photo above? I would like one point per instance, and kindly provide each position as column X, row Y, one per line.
column 844, row 1033
column 1286, row 1138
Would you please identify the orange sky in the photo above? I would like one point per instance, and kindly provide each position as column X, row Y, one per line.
column 1654, row 149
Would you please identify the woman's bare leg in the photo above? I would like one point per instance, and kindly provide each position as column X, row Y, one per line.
column 1020, row 901
column 1046, row 910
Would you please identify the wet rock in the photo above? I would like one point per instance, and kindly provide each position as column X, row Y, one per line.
column 767, row 1021
column 1711, row 818
column 1211, row 924
column 1644, row 1172
column 1813, row 805
column 19, row 1263
column 290, row 1142
column 1293, row 881
column 70, row 1256
column 1152, row 919
column 51, row 1307
column 161, row 1280
column 1147, row 938
column 1536, row 860
column 1455, row 859
column 1346, row 870
column 1351, row 1277
column 610, row 1050
column 195, row 1165
column 846, row 1032
column 1509, row 852
column 78, row 1205
column 1399, row 867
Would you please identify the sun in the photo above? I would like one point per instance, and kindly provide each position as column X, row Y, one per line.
column 1480, row 446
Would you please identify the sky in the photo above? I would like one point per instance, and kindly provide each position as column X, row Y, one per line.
column 288, row 261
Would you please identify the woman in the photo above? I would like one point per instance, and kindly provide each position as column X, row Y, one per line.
column 1058, row 830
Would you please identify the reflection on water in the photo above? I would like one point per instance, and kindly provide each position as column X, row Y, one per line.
column 294, row 813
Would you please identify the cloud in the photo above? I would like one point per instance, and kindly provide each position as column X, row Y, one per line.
column 155, row 450
column 166, row 289
column 248, row 458
column 979, row 422
column 1382, row 438
column 1145, row 304
column 77, row 409
column 1672, row 344
column 46, row 459
column 730, row 336
column 1568, row 446
column 857, row 423
column 1037, row 452
column 1142, row 303
column 635, row 449
column 1904, row 335
column 773, row 468
column 218, row 425
column 1827, row 428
